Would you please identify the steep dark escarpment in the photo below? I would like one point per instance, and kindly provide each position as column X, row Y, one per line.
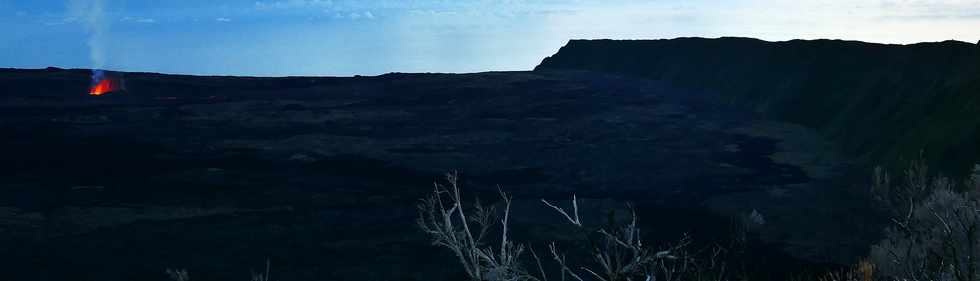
column 879, row 102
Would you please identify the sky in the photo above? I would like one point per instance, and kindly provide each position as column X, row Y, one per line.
column 370, row 37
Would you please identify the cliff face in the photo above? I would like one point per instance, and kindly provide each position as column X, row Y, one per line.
column 878, row 102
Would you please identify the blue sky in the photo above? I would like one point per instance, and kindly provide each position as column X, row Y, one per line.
column 345, row 37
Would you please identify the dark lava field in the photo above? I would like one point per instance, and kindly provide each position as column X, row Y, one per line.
column 320, row 176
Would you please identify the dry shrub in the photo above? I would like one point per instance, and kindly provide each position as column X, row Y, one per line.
column 618, row 254
column 935, row 232
column 864, row 271
column 444, row 218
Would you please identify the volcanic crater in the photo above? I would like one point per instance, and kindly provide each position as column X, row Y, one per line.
column 321, row 175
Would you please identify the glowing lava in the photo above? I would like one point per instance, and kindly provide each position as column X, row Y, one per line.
column 106, row 85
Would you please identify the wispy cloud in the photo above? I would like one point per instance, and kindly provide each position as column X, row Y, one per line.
column 358, row 16
column 285, row 4
column 138, row 20
column 60, row 21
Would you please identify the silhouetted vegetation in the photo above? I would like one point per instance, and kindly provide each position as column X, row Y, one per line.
column 936, row 231
column 617, row 254
column 935, row 236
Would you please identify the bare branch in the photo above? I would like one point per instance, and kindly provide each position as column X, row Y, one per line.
column 560, row 259
column 537, row 260
column 575, row 220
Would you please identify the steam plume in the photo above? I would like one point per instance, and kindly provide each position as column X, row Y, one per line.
column 91, row 13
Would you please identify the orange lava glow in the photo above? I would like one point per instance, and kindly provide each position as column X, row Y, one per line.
column 105, row 86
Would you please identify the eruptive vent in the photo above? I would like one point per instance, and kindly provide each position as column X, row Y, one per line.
column 102, row 84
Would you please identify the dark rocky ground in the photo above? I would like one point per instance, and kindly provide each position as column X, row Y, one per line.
column 321, row 175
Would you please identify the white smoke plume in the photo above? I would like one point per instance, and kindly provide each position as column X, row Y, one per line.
column 91, row 13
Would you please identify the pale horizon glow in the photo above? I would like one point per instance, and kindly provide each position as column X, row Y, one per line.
column 347, row 37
